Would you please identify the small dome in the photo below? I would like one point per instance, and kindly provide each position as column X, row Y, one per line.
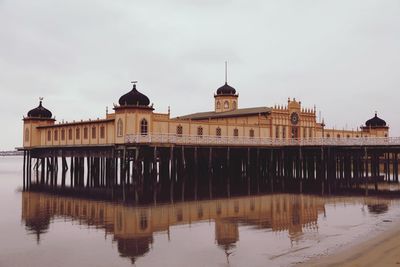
column 40, row 112
column 134, row 98
column 375, row 122
column 226, row 90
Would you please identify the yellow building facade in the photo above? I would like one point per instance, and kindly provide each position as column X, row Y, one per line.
column 135, row 119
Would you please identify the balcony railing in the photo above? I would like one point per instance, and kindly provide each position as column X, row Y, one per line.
column 255, row 141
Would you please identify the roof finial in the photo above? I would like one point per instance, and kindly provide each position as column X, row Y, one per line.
column 376, row 113
column 40, row 100
column 226, row 72
column 134, row 84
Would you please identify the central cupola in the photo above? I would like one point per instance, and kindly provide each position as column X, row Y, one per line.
column 134, row 98
column 226, row 98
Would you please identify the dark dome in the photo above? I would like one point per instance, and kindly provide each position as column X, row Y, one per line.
column 40, row 112
column 226, row 90
column 375, row 122
column 134, row 97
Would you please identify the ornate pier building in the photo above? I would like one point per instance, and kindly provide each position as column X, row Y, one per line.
column 135, row 121
column 138, row 154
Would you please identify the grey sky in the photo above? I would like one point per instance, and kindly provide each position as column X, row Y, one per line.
column 342, row 56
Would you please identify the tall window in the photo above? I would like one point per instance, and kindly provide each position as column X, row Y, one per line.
column 143, row 127
column 226, row 105
column 48, row 135
column 143, row 221
column 328, row 135
column 70, row 134
column 277, row 131
column 77, row 133
column 218, row 105
column 56, row 135
column 218, row 132
column 305, row 132
column 200, row 131
column 102, row 132
column 235, row 132
column 26, row 135
column 179, row 130
column 63, row 134
column 338, row 136
column 234, row 105
column 251, row 133
column 85, row 133
column 310, row 132
column 120, row 127
column 93, row 132
column 284, row 132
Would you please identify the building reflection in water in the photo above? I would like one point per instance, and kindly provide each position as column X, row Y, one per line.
column 132, row 228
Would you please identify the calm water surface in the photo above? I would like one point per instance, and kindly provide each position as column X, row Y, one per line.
column 271, row 230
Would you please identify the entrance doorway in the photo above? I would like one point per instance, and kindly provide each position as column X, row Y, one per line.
column 295, row 132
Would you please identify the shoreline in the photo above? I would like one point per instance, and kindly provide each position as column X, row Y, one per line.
column 381, row 249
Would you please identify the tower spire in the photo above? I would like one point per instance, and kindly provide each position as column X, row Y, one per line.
column 226, row 72
column 134, row 84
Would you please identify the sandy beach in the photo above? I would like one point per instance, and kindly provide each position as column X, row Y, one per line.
column 382, row 250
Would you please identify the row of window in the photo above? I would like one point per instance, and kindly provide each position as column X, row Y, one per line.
column 218, row 131
column 348, row 136
column 144, row 127
column 294, row 132
column 226, row 105
column 77, row 133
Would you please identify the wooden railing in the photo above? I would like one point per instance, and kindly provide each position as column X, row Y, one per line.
column 255, row 141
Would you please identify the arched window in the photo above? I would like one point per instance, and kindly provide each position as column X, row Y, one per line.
column 63, row 134
column 218, row 105
column 143, row 221
column 236, row 207
column 226, row 105
column 120, row 127
column 77, row 133
column 93, row 132
column 218, row 132
column 310, row 133
column 26, row 135
column 357, row 136
column 338, row 136
column 179, row 215
column 235, row 132
column 48, row 135
column 200, row 212
column 102, row 132
column 348, row 136
column 143, row 127
column 56, row 135
column 234, row 105
column 200, row 131
column 179, row 130
column 277, row 131
column 251, row 133
column 85, row 133
column 70, row 134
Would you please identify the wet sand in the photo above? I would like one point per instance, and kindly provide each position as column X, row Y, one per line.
column 381, row 250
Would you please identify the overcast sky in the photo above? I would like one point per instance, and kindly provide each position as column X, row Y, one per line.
column 80, row 55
